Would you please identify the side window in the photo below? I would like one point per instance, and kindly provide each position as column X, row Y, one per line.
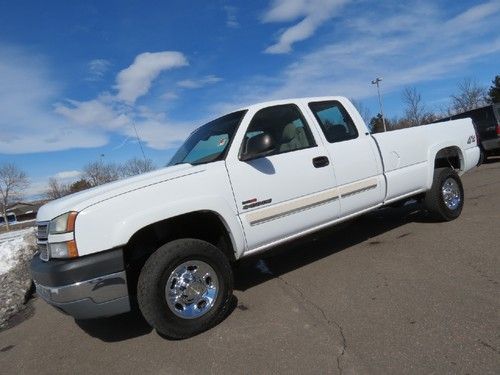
column 286, row 126
column 334, row 120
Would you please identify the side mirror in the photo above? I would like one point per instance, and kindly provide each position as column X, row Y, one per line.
column 258, row 146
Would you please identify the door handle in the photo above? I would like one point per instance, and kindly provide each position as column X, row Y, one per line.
column 320, row 161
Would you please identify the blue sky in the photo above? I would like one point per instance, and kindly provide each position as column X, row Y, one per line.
column 75, row 76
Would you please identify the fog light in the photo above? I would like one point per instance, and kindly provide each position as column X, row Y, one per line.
column 63, row 249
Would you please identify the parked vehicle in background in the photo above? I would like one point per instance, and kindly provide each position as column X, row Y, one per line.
column 239, row 185
column 11, row 218
column 487, row 122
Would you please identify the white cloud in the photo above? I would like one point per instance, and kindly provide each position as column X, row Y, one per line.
column 97, row 69
column 35, row 190
column 104, row 113
column 197, row 83
column 160, row 134
column 38, row 188
column 474, row 15
column 93, row 113
column 135, row 81
column 33, row 118
column 119, row 114
column 156, row 130
column 417, row 42
column 170, row 95
column 313, row 14
column 231, row 20
column 68, row 175
column 27, row 122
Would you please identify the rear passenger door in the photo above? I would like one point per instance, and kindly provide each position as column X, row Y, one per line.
column 354, row 157
column 288, row 191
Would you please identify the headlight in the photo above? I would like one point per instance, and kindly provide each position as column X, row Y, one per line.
column 63, row 223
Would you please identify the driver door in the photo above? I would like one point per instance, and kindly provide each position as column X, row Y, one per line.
column 288, row 191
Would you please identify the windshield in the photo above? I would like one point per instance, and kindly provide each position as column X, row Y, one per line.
column 209, row 142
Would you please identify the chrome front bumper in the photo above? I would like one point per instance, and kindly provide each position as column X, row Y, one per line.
column 88, row 287
column 99, row 297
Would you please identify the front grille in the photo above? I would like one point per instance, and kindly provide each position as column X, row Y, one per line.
column 42, row 235
column 43, row 231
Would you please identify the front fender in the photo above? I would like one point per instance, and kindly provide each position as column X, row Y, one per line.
column 107, row 225
column 111, row 223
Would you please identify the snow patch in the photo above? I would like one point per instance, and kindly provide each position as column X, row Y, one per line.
column 14, row 246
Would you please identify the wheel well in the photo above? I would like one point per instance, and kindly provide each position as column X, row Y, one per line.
column 202, row 225
column 449, row 157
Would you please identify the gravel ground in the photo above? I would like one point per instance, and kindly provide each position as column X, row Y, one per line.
column 15, row 284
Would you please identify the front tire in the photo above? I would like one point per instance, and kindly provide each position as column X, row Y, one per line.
column 185, row 288
column 445, row 199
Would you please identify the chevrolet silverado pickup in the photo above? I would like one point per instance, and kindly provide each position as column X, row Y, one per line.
column 166, row 241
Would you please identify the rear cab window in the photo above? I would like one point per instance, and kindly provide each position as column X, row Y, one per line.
column 334, row 120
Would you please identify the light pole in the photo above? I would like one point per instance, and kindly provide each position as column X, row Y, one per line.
column 376, row 81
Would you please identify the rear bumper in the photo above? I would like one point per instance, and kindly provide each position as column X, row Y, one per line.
column 89, row 287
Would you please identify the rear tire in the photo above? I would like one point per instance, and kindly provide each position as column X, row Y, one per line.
column 445, row 199
column 185, row 288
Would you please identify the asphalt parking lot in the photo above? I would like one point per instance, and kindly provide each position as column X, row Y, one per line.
column 389, row 293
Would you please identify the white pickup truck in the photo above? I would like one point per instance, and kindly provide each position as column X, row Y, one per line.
column 239, row 185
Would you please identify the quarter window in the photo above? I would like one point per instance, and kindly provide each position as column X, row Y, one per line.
column 334, row 120
column 285, row 124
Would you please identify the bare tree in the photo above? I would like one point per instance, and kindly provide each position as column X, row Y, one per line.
column 81, row 184
column 429, row 117
column 415, row 109
column 363, row 110
column 399, row 123
column 98, row 173
column 56, row 189
column 470, row 96
column 12, row 183
column 136, row 166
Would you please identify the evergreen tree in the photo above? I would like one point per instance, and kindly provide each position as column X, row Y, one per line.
column 494, row 91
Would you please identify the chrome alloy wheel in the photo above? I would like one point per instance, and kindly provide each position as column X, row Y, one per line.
column 452, row 196
column 192, row 289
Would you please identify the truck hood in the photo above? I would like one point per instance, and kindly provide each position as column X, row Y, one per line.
column 81, row 200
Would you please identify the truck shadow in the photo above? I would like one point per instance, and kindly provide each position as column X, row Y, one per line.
column 285, row 258
column 116, row 328
column 293, row 255
column 126, row 326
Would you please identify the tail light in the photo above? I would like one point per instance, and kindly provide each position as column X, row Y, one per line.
column 498, row 130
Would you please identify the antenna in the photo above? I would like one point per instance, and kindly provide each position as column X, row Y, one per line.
column 139, row 140
column 377, row 81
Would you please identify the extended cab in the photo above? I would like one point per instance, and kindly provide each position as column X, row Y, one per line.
column 239, row 185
